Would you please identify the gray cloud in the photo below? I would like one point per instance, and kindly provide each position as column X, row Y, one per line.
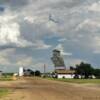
column 14, row 2
column 33, row 30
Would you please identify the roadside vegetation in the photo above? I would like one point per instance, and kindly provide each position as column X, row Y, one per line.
column 6, row 78
column 78, row 81
column 86, row 71
column 3, row 92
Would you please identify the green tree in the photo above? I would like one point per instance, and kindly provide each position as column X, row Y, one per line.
column 97, row 73
column 37, row 73
column 84, row 69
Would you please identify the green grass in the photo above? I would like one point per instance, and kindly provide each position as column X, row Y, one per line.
column 6, row 78
column 79, row 81
column 3, row 92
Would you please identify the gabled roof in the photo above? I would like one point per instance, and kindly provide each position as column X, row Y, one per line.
column 65, row 71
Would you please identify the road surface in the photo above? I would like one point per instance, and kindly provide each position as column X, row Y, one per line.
column 43, row 89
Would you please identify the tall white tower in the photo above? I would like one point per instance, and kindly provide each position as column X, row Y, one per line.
column 21, row 71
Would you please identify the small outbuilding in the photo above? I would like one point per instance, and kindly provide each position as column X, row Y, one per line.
column 65, row 73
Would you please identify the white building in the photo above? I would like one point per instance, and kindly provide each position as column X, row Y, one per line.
column 21, row 71
column 65, row 74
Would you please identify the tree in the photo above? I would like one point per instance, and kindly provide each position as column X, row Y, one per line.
column 84, row 69
column 32, row 73
column 72, row 68
column 37, row 73
column 97, row 73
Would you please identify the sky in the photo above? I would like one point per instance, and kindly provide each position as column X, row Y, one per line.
column 31, row 29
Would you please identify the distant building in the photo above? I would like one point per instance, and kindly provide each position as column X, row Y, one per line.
column 65, row 73
column 60, row 68
column 28, row 72
column 58, row 60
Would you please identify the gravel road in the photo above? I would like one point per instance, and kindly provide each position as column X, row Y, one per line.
column 42, row 89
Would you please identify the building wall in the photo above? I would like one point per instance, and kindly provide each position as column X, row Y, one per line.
column 65, row 76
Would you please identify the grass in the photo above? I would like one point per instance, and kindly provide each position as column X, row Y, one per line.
column 79, row 81
column 3, row 92
column 6, row 78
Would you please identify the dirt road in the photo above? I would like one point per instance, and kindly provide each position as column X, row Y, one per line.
column 42, row 89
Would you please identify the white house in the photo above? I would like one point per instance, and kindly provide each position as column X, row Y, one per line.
column 65, row 74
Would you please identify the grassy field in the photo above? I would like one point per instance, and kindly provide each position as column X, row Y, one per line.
column 3, row 92
column 79, row 81
column 6, row 78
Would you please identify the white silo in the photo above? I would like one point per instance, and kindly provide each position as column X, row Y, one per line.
column 21, row 71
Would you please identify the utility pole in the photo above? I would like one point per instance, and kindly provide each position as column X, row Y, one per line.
column 44, row 70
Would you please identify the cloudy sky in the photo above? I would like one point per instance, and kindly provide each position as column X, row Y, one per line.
column 31, row 29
